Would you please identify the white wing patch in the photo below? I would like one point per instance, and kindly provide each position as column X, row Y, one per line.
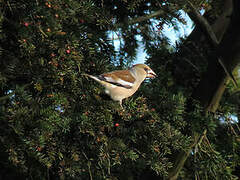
column 112, row 82
column 124, row 83
column 118, row 82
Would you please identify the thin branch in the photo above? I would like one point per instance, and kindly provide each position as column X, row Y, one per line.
column 222, row 22
column 181, row 158
column 142, row 18
column 146, row 17
column 204, row 24
column 2, row 98
column 89, row 166
column 227, row 72
column 212, row 36
column 193, row 65
column 202, row 137
column 209, row 145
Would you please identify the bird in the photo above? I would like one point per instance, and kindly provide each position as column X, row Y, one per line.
column 121, row 84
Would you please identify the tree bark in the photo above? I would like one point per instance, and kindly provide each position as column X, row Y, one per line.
column 219, row 27
column 212, row 86
column 181, row 158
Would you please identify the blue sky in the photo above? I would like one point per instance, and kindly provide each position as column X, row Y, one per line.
column 184, row 31
column 173, row 35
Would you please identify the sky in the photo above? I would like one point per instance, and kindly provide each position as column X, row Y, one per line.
column 173, row 35
column 184, row 31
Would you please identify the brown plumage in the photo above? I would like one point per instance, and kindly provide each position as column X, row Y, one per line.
column 124, row 83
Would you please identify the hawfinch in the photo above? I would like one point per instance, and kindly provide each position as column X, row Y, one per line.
column 124, row 83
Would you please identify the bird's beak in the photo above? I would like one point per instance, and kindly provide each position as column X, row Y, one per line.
column 151, row 74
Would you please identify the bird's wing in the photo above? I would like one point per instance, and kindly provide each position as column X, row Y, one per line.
column 122, row 78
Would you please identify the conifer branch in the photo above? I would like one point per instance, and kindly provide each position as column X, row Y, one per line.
column 142, row 18
column 182, row 157
column 7, row 96
column 146, row 17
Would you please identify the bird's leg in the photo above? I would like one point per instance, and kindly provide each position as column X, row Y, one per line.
column 120, row 102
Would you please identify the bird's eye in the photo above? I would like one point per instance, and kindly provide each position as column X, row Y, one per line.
column 146, row 69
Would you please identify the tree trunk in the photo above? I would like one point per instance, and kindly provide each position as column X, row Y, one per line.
column 211, row 87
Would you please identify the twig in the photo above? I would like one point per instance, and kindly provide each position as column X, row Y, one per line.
column 193, row 65
column 142, row 18
column 89, row 165
column 237, row 127
column 7, row 96
column 146, row 17
column 232, row 129
column 198, row 144
column 227, row 72
column 209, row 144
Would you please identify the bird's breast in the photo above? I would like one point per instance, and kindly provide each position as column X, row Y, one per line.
column 119, row 93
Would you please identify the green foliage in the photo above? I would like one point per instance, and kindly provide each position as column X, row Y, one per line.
column 55, row 124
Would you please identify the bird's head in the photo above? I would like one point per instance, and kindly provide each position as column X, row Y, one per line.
column 144, row 70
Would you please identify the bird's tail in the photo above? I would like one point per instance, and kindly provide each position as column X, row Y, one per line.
column 98, row 79
column 91, row 76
